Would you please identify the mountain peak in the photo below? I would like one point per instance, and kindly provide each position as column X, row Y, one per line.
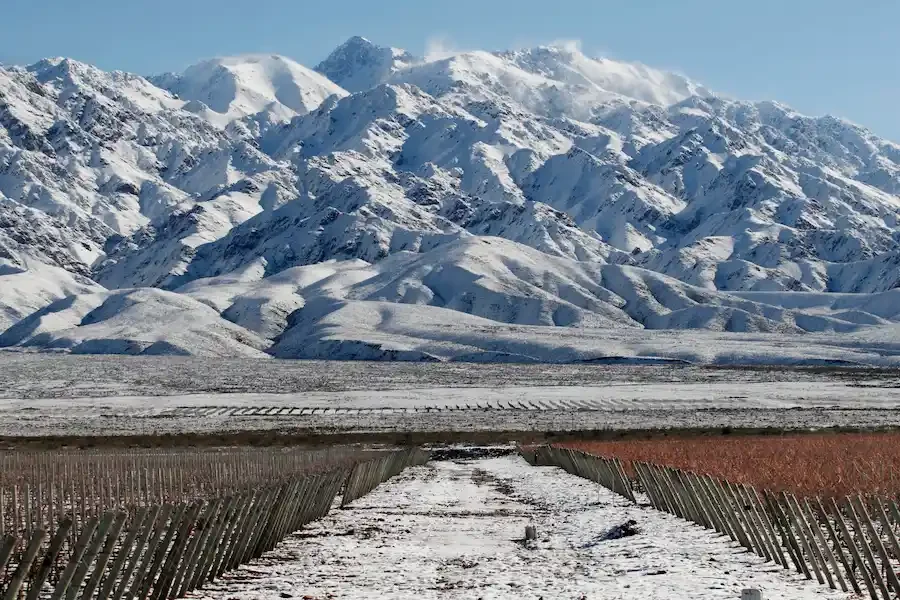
column 59, row 67
column 566, row 63
column 358, row 40
column 238, row 86
column 358, row 64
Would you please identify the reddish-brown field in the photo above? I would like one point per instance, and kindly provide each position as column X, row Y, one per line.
column 808, row 465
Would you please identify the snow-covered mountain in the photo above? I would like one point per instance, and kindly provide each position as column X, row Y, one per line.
column 537, row 187
column 225, row 89
column 358, row 64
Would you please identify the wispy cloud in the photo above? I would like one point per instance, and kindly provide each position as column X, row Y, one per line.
column 572, row 45
column 440, row 47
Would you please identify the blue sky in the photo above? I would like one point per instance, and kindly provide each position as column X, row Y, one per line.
column 825, row 56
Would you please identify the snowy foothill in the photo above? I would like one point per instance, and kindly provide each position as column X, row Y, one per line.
column 455, row 529
column 480, row 299
column 31, row 286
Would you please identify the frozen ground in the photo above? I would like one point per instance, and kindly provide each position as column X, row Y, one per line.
column 454, row 529
column 29, row 375
column 46, row 395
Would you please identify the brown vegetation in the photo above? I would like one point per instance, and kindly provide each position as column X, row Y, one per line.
column 807, row 464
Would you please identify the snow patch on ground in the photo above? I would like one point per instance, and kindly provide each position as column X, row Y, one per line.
column 455, row 529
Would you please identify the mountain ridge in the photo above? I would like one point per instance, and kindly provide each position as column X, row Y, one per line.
column 258, row 163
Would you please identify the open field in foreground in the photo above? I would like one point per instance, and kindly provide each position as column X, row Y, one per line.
column 454, row 529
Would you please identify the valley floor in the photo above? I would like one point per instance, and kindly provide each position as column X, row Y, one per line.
column 59, row 395
column 454, row 529
column 35, row 375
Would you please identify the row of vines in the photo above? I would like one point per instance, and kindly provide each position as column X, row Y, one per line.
column 154, row 524
column 824, row 504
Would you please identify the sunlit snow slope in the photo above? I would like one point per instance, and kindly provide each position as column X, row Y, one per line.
column 536, row 204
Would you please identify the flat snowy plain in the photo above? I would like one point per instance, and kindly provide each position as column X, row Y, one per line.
column 453, row 529
column 52, row 395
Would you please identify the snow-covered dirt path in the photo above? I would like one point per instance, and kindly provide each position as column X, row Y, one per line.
column 453, row 530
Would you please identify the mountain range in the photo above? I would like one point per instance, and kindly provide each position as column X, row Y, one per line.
column 484, row 206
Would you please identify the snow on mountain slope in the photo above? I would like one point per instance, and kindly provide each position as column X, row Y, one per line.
column 536, row 187
column 761, row 177
column 410, row 310
column 607, row 197
column 146, row 321
column 263, row 305
column 70, row 78
column 498, row 280
column 388, row 331
column 503, row 281
column 554, row 81
column 378, row 223
column 28, row 233
column 872, row 309
column 240, row 86
column 358, row 64
column 402, row 307
column 566, row 63
column 29, row 286
column 88, row 157
column 508, row 282
column 367, row 191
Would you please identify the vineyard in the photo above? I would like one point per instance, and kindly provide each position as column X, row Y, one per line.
column 824, row 505
column 824, row 465
column 158, row 524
